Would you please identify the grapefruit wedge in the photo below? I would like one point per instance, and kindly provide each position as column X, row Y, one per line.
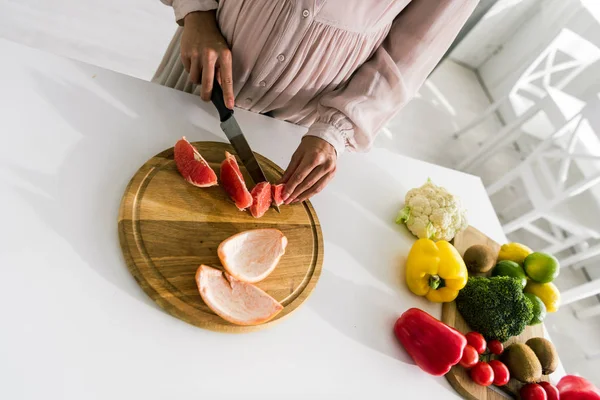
column 238, row 302
column 234, row 184
column 261, row 199
column 251, row 256
column 192, row 166
column 277, row 194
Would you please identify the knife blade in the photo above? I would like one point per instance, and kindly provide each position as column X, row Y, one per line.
column 236, row 137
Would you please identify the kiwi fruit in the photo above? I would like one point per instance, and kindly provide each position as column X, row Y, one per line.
column 545, row 352
column 522, row 363
column 479, row 259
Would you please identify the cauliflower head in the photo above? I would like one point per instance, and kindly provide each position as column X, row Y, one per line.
column 432, row 212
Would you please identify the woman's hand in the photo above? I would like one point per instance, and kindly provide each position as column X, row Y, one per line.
column 312, row 166
column 204, row 50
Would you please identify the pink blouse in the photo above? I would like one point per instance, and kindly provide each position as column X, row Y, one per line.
column 343, row 68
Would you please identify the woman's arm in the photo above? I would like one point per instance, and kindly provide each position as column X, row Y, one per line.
column 204, row 50
column 350, row 117
column 184, row 7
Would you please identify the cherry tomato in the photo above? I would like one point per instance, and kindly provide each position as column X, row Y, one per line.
column 477, row 341
column 533, row 391
column 551, row 390
column 495, row 347
column 482, row 374
column 501, row 374
column 470, row 357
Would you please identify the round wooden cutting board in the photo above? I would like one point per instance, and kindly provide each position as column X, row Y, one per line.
column 168, row 227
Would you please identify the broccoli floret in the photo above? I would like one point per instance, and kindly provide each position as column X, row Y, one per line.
column 495, row 307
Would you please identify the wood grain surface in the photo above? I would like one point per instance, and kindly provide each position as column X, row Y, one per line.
column 458, row 376
column 167, row 228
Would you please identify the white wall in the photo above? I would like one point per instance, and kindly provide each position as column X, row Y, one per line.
column 499, row 73
column 492, row 31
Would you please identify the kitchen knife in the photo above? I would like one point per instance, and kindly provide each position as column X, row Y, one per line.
column 237, row 139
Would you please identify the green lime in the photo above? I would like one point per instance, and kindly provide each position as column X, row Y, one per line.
column 512, row 269
column 541, row 267
column 539, row 309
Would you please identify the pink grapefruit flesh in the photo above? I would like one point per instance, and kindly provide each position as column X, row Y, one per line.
column 238, row 302
column 277, row 194
column 251, row 256
column 261, row 199
column 233, row 182
column 192, row 166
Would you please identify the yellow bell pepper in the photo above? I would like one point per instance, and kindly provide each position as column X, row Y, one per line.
column 435, row 270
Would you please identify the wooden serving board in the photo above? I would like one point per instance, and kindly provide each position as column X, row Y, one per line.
column 458, row 376
column 168, row 227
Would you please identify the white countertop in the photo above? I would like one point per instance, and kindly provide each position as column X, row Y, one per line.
column 77, row 326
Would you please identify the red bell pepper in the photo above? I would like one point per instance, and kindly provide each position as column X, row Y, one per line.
column 573, row 387
column 433, row 345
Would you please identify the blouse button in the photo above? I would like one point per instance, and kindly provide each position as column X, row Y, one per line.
column 305, row 13
column 281, row 58
column 262, row 83
column 248, row 100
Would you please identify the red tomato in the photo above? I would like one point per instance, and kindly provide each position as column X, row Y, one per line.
column 470, row 357
column 495, row 347
column 482, row 374
column 501, row 374
column 551, row 390
column 477, row 341
column 533, row 391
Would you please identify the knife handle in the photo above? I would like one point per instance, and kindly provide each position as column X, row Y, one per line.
column 219, row 102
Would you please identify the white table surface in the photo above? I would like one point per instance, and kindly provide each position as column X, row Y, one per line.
column 77, row 326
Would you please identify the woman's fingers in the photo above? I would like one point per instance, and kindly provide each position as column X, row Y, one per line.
column 304, row 168
column 203, row 48
column 291, row 168
column 186, row 63
column 195, row 70
column 225, row 71
column 312, row 166
column 316, row 188
column 310, row 185
column 219, row 64
column 209, row 61
column 311, row 179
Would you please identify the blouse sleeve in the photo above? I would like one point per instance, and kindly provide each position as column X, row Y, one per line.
column 184, row 7
column 351, row 116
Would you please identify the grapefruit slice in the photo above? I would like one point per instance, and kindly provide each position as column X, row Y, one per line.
column 234, row 184
column 261, row 199
column 277, row 194
column 251, row 256
column 192, row 166
column 238, row 302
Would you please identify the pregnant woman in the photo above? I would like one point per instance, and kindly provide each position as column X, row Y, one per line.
column 342, row 68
